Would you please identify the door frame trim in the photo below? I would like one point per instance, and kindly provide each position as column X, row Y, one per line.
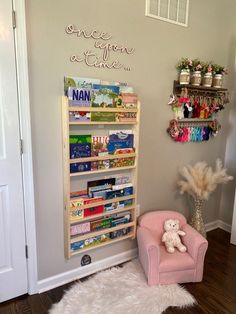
column 25, row 131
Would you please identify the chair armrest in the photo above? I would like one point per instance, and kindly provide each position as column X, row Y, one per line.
column 194, row 241
column 149, row 254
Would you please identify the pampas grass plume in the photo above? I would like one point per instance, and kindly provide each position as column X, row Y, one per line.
column 201, row 180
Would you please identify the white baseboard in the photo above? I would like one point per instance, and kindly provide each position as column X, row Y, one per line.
column 218, row 224
column 223, row 225
column 66, row 277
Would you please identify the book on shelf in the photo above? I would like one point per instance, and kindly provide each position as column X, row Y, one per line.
column 92, row 241
column 119, row 233
column 118, row 205
column 93, row 210
column 122, row 162
column 122, row 179
column 76, row 203
column 99, row 145
column 80, row 97
column 99, row 185
column 119, row 193
column 81, row 228
column 80, row 146
column 80, row 167
column 79, row 82
column 105, row 96
column 79, row 116
column 121, row 151
column 126, row 116
column 101, row 224
column 121, row 186
column 120, row 139
column 129, row 100
column 78, row 194
column 120, row 221
column 100, row 165
column 103, row 116
column 76, row 214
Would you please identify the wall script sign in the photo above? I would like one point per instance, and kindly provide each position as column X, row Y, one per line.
column 90, row 57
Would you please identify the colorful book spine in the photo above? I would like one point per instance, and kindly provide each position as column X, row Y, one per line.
column 80, row 228
column 80, row 167
column 76, row 214
column 101, row 224
column 126, row 116
column 79, row 116
column 93, row 241
column 119, row 233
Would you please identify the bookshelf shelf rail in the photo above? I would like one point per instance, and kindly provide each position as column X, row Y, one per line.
column 82, row 173
column 100, row 232
column 98, row 158
column 108, row 213
column 131, row 235
column 112, row 200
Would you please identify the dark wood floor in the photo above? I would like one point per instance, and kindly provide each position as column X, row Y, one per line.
column 216, row 294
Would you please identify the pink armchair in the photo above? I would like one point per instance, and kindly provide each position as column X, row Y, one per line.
column 161, row 267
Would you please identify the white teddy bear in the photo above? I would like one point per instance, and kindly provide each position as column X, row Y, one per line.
column 171, row 236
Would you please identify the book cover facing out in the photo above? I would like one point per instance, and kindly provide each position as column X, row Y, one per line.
column 105, row 96
column 120, row 140
column 80, row 146
column 79, row 82
column 103, row 116
column 79, row 96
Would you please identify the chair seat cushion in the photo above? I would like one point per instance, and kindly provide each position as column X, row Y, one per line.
column 174, row 261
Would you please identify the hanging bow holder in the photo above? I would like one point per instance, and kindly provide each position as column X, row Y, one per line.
column 194, row 110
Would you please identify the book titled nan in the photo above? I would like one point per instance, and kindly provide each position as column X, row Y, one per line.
column 79, row 96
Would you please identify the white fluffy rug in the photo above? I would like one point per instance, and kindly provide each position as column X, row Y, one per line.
column 121, row 290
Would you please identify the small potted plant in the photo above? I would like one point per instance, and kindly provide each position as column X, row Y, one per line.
column 218, row 72
column 196, row 77
column 184, row 66
column 207, row 70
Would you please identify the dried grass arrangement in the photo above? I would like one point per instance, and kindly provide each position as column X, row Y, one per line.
column 200, row 181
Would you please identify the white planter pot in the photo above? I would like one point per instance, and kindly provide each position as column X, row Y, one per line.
column 196, row 78
column 184, row 77
column 217, row 81
column 207, row 80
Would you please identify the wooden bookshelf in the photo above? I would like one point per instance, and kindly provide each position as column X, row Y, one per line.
column 88, row 176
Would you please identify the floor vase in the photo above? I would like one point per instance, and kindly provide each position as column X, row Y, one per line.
column 197, row 220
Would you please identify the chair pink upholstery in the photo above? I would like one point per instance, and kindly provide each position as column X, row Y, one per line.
column 161, row 267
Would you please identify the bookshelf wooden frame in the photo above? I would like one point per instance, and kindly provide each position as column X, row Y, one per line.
column 68, row 222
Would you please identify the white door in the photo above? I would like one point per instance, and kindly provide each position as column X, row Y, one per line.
column 13, row 267
column 233, row 230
